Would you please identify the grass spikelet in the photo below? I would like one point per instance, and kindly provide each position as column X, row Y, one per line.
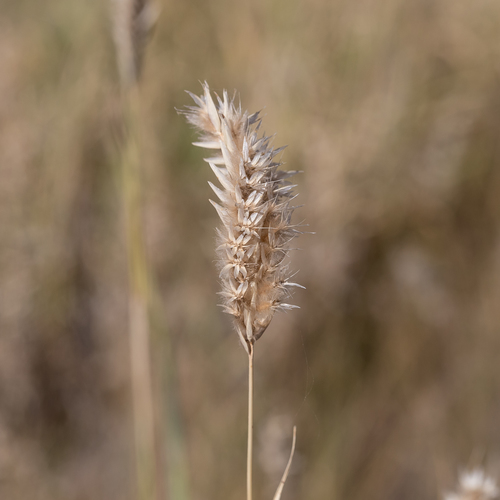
column 254, row 205
column 474, row 485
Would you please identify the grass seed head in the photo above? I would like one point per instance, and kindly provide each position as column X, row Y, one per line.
column 254, row 205
column 133, row 22
column 474, row 485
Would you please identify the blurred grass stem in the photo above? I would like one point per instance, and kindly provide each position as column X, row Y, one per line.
column 133, row 22
column 139, row 327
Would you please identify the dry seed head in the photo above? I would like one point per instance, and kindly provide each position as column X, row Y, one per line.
column 133, row 22
column 474, row 485
column 255, row 209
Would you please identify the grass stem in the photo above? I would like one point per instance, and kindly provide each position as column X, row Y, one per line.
column 250, row 423
column 277, row 495
column 139, row 324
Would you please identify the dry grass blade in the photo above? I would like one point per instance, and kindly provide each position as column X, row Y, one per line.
column 279, row 490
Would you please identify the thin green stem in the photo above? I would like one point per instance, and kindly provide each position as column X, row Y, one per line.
column 139, row 326
column 250, row 423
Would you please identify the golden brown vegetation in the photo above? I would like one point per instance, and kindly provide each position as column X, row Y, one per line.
column 389, row 369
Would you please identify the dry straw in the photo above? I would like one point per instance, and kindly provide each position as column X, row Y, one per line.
column 255, row 209
column 132, row 23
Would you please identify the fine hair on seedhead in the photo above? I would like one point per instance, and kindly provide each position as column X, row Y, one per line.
column 255, row 207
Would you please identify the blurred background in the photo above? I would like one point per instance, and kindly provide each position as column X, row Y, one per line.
column 390, row 368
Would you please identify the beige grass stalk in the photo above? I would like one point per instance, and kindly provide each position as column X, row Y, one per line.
column 133, row 20
column 255, row 209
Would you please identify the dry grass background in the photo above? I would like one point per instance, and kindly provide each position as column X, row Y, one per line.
column 390, row 368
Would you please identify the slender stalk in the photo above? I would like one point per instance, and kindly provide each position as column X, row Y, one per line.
column 277, row 495
column 139, row 327
column 250, row 422
column 133, row 20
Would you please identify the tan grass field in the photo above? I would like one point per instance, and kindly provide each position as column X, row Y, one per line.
column 390, row 369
